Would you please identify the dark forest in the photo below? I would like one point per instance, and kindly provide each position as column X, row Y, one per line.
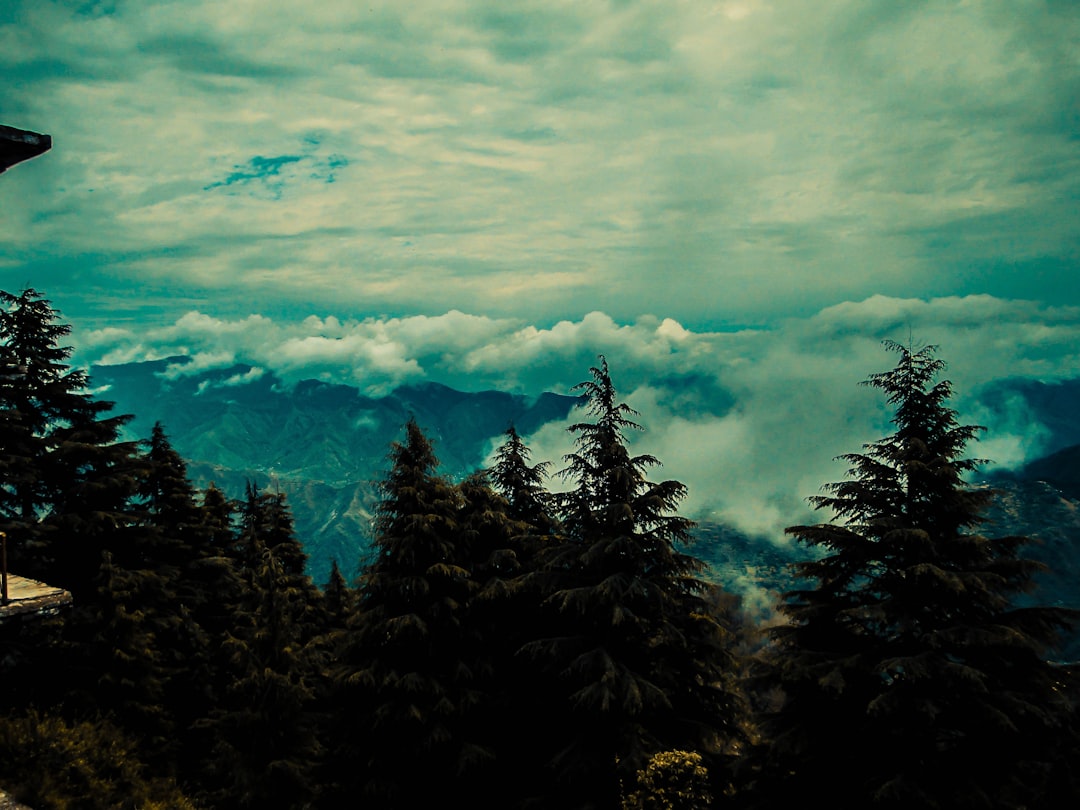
column 506, row 645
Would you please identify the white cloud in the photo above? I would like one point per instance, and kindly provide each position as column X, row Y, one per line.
column 200, row 361
column 751, row 420
column 712, row 163
column 249, row 376
column 735, row 202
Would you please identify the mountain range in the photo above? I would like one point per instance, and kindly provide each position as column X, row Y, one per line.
column 325, row 447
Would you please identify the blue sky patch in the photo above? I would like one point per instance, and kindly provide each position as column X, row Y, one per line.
column 262, row 175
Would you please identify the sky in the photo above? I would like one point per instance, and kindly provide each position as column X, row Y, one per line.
column 735, row 202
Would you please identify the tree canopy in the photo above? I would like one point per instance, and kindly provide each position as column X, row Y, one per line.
column 514, row 646
column 910, row 678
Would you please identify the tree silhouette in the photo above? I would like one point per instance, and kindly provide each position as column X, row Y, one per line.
column 628, row 617
column 405, row 679
column 910, row 679
column 68, row 480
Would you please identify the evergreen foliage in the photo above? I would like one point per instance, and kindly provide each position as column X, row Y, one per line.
column 67, row 478
column 203, row 590
column 513, row 504
column 501, row 617
column 338, row 600
column 219, row 517
column 129, row 660
column 628, row 610
column 523, row 484
column 260, row 734
column 66, row 503
column 404, row 667
column 909, row 677
column 265, row 521
column 512, row 647
column 165, row 636
column 265, row 742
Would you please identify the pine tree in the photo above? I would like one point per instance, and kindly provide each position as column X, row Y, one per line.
column 405, row 684
column 339, row 600
column 909, row 678
column 68, row 480
column 128, row 659
column 216, row 576
column 498, row 620
column 200, row 596
column 523, row 484
column 266, row 516
column 140, row 632
column 66, row 496
column 219, row 514
column 628, row 604
column 526, row 708
column 265, row 747
column 80, row 517
column 260, row 735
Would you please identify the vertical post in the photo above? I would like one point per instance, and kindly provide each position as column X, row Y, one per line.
column 3, row 567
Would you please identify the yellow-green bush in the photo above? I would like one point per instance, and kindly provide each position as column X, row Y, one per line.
column 51, row 764
column 673, row 780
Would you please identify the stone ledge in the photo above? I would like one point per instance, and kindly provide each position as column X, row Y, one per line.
column 30, row 596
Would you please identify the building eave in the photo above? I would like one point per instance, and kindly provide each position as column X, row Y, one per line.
column 17, row 145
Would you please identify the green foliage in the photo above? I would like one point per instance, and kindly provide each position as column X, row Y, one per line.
column 67, row 480
column 265, row 521
column 406, row 668
column 522, row 484
column 514, row 647
column 261, row 731
column 631, row 646
column 909, row 679
column 338, row 600
column 51, row 764
column 673, row 780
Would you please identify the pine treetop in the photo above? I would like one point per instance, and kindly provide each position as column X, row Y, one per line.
column 907, row 634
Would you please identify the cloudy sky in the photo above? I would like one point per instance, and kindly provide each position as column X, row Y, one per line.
column 734, row 200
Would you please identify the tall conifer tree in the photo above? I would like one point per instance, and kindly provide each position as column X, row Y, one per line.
column 523, row 484
column 265, row 744
column 67, row 488
column 910, row 678
column 263, row 747
column 628, row 605
column 500, row 617
column 68, row 479
column 200, row 595
column 338, row 601
column 404, row 670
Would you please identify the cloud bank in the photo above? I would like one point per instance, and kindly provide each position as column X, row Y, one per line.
column 751, row 419
column 718, row 163
column 734, row 200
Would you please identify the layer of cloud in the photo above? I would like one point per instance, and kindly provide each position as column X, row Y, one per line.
column 751, row 420
column 734, row 200
column 713, row 162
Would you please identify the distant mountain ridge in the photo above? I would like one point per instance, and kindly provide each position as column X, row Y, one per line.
column 1060, row 470
column 325, row 446
column 1054, row 405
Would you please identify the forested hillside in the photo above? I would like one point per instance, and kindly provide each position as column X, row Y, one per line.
column 324, row 446
column 503, row 643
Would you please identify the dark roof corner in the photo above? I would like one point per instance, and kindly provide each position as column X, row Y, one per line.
column 17, row 145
